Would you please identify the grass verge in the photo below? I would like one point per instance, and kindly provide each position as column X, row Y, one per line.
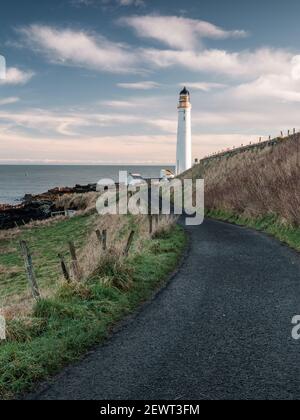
column 78, row 316
column 270, row 224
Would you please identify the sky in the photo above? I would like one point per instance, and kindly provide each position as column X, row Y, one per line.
column 97, row 81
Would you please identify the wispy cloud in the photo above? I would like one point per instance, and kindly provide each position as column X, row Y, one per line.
column 178, row 32
column 232, row 64
column 203, row 86
column 88, row 149
column 81, row 49
column 280, row 87
column 106, row 3
column 139, row 85
column 67, row 124
column 9, row 101
column 15, row 76
column 140, row 104
column 131, row 2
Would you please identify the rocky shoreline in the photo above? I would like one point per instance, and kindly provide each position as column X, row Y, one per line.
column 37, row 207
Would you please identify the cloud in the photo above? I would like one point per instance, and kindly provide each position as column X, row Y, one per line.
column 177, row 32
column 42, row 121
column 131, row 2
column 105, row 3
column 139, row 85
column 295, row 73
column 80, row 49
column 2, row 67
column 140, row 104
column 232, row 64
column 204, row 86
column 284, row 86
column 280, row 87
column 118, row 104
column 9, row 101
column 15, row 76
column 167, row 125
column 67, row 124
column 140, row 149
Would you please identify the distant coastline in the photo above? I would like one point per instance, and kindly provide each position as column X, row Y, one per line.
column 18, row 180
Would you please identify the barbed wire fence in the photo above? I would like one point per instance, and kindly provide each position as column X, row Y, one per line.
column 26, row 276
column 260, row 143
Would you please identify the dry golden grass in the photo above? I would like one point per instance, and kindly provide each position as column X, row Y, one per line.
column 118, row 230
column 256, row 183
column 83, row 202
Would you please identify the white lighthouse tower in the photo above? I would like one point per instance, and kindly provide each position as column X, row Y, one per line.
column 184, row 139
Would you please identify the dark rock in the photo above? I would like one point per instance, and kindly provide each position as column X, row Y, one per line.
column 37, row 207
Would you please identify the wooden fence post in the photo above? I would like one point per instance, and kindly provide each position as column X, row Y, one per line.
column 102, row 238
column 75, row 265
column 29, row 270
column 64, row 268
column 129, row 243
column 99, row 236
column 150, row 224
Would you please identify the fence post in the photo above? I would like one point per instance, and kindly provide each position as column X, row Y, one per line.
column 75, row 265
column 29, row 270
column 102, row 238
column 129, row 243
column 150, row 224
column 64, row 268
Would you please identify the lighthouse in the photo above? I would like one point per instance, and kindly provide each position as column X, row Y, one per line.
column 184, row 137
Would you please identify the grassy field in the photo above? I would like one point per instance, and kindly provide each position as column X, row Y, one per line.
column 79, row 315
column 270, row 224
column 45, row 240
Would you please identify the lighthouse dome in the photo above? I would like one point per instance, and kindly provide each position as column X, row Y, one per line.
column 184, row 91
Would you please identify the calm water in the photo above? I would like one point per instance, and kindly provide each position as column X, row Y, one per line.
column 16, row 181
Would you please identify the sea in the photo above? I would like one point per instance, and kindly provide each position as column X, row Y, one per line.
column 18, row 180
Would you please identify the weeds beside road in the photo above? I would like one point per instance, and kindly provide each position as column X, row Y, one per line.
column 270, row 224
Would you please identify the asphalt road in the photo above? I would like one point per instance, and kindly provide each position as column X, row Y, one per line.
column 220, row 330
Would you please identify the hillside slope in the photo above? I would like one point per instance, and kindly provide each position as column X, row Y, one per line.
column 255, row 183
